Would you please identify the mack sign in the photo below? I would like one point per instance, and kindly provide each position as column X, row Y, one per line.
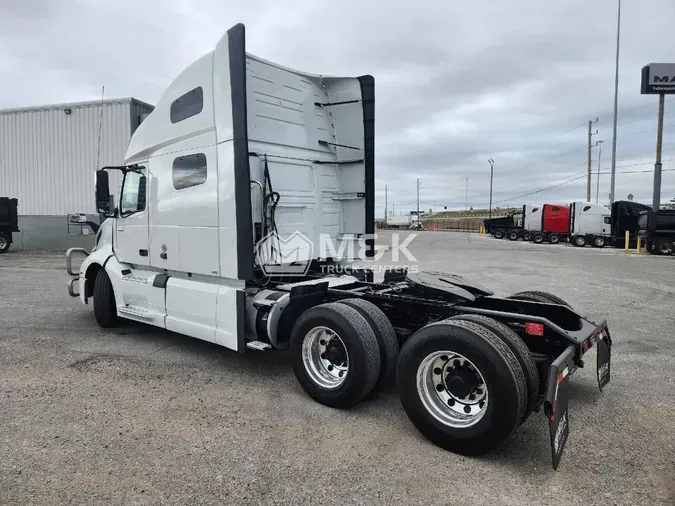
column 658, row 78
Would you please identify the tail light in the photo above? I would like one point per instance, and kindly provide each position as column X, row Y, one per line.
column 534, row 329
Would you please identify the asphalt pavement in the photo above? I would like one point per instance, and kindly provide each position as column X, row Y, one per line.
column 140, row 415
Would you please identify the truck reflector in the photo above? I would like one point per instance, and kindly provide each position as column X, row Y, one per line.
column 534, row 329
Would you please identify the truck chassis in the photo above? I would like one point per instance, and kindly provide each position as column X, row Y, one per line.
column 469, row 367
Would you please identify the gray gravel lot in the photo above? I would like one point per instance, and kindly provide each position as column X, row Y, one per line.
column 143, row 416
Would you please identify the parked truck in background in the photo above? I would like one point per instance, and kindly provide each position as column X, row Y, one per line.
column 625, row 218
column 658, row 230
column 522, row 226
column 8, row 222
column 555, row 224
column 230, row 185
column 589, row 224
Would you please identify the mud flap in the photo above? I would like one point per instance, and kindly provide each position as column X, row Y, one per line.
column 556, row 404
column 604, row 352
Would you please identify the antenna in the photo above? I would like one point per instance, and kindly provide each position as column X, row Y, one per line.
column 100, row 126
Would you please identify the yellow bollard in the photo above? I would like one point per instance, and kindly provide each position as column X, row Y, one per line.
column 627, row 240
column 638, row 249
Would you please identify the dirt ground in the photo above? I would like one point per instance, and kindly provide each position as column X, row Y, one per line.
column 140, row 415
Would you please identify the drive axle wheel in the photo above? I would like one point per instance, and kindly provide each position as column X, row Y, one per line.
column 499, row 234
column 336, row 358
column 599, row 241
column 534, row 296
column 579, row 241
column 538, row 238
column 664, row 247
column 4, row 243
column 513, row 236
column 384, row 333
column 461, row 386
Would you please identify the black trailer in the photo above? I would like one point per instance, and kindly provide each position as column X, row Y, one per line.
column 8, row 222
column 658, row 230
column 509, row 227
column 625, row 217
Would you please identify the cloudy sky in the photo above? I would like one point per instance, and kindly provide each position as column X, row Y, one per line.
column 456, row 82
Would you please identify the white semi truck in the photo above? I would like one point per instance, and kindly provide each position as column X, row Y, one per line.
column 230, row 190
column 590, row 224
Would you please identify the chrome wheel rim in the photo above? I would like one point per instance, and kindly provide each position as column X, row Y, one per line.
column 325, row 357
column 3, row 243
column 452, row 389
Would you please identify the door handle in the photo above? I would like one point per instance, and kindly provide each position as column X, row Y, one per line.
column 120, row 229
column 143, row 252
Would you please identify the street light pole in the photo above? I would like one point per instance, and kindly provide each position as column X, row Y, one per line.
column 466, row 195
column 597, row 187
column 492, row 170
column 616, row 104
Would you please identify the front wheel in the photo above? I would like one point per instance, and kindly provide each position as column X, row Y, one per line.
column 105, row 308
column 554, row 238
column 461, row 386
column 664, row 247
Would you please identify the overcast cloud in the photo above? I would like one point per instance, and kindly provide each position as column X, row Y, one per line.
column 456, row 82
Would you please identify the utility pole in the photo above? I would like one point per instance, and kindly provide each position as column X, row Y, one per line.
column 386, row 192
column 597, row 187
column 590, row 157
column 616, row 104
column 492, row 170
column 466, row 195
column 656, row 204
column 418, row 202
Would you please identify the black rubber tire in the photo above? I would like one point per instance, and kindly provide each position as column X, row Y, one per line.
column 513, row 236
column 664, row 247
column 579, row 241
column 554, row 238
column 504, row 378
column 105, row 308
column 537, row 238
column 535, row 296
column 498, row 234
column 599, row 242
column 361, row 344
column 527, row 236
column 4, row 243
column 384, row 333
column 519, row 349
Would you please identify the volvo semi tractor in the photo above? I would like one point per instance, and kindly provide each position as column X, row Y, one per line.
column 231, row 186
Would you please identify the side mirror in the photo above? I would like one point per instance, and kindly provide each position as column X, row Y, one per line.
column 102, row 192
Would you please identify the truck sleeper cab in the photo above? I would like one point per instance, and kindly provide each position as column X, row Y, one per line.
column 247, row 195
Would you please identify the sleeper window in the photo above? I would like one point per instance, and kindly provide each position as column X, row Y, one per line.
column 188, row 105
column 189, row 170
column 607, row 220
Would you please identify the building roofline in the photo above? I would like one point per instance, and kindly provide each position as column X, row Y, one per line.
column 73, row 105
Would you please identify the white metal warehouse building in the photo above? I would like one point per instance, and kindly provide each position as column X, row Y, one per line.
column 48, row 157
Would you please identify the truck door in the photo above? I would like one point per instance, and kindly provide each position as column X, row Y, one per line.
column 131, row 232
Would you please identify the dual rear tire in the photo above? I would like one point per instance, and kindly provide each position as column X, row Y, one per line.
column 342, row 350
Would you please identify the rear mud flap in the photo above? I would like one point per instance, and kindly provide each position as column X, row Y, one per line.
column 556, row 404
column 604, row 352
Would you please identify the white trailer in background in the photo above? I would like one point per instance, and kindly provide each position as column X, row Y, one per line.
column 590, row 224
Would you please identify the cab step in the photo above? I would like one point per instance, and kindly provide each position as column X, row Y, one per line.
column 258, row 345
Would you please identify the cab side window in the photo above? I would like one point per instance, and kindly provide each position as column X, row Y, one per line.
column 189, row 170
